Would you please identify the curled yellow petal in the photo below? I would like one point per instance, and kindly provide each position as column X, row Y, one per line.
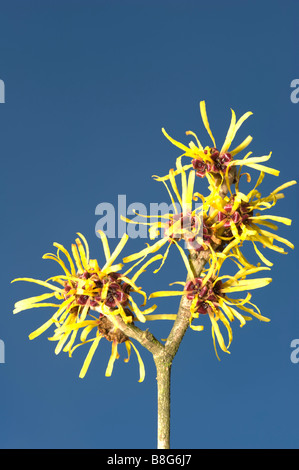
column 77, row 258
column 105, row 244
column 150, row 249
column 37, row 281
column 204, row 116
column 242, row 146
column 66, row 253
column 161, row 316
column 41, row 329
column 175, row 142
column 166, row 293
column 89, row 356
column 117, row 250
column 141, row 365
column 112, row 359
column 218, row 334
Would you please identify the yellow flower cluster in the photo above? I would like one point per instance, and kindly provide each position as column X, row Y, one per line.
column 218, row 226
column 84, row 287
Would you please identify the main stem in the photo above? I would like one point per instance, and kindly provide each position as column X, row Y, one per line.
column 163, row 367
column 163, row 360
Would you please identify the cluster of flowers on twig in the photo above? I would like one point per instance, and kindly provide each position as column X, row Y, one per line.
column 92, row 298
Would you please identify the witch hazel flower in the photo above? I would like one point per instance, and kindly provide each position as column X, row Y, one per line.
column 203, row 293
column 212, row 160
column 184, row 223
column 243, row 217
column 84, row 287
column 206, row 295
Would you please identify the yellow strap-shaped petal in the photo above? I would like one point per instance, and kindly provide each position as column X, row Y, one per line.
column 226, row 323
column 136, row 310
column 166, row 293
column 181, row 283
column 61, row 343
column 19, row 309
column 104, row 291
column 230, row 133
column 82, row 254
column 175, row 142
column 253, row 313
column 150, row 249
column 161, row 316
column 248, row 284
column 85, row 332
column 111, row 269
column 261, row 256
column 37, row 281
column 89, row 356
column 141, row 365
column 94, row 266
column 218, row 334
column 86, row 246
column 196, row 138
column 128, row 346
column 283, row 220
column 32, row 300
column 65, row 308
column 112, row 359
column 69, row 345
column 278, row 238
column 197, row 327
column 204, row 116
column 284, row 186
column 242, row 146
column 189, row 196
column 41, row 329
column 105, row 244
column 259, row 167
column 58, row 260
column 193, row 305
column 232, row 312
column 117, row 251
column 174, row 185
column 80, row 344
column 226, row 309
column 142, row 269
column 77, row 259
column 164, row 257
column 214, row 342
column 177, row 172
column 185, row 259
column 66, row 253
column 77, row 326
column 233, row 129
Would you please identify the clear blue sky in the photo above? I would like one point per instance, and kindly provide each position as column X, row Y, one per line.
column 88, row 86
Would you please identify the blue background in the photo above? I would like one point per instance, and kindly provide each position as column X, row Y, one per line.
column 89, row 84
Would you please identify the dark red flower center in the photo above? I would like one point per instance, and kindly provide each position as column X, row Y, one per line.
column 186, row 226
column 240, row 215
column 117, row 292
column 209, row 292
column 218, row 165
